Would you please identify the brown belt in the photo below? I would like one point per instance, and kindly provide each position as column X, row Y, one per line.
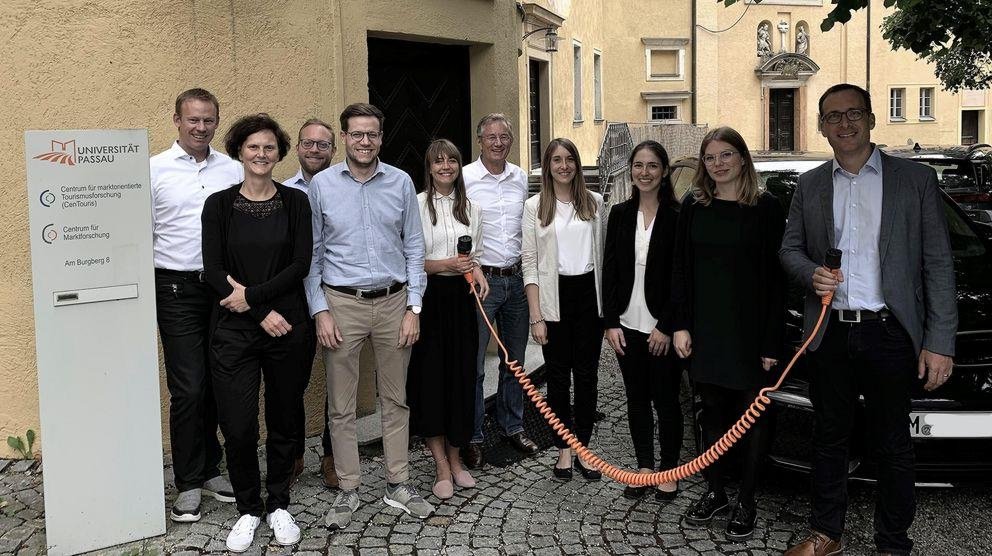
column 505, row 271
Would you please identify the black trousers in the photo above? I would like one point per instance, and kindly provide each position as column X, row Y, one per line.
column 301, row 411
column 722, row 407
column 184, row 307
column 241, row 359
column 875, row 359
column 652, row 381
column 572, row 353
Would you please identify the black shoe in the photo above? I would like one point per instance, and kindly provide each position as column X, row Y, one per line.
column 702, row 511
column 522, row 443
column 634, row 492
column 564, row 474
column 589, row 474
column 742, row 521
column 665, row 496
column 472, row 455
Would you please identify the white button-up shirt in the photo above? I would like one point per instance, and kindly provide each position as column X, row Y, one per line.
column 441, row 239
column 501, row 199
column 857, row 223
column 180, row 185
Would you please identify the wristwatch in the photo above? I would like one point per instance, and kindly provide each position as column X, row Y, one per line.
column 415, row 309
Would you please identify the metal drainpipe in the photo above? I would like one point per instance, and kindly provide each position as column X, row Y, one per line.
column 695, row 48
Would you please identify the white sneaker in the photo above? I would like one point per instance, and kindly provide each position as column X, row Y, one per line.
column 286, row 531
column 243, row 533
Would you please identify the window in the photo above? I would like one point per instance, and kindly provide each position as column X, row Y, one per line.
column 665, row 59
column 577, row 81
column 926, row 103
column 897, row 105
column 664, row 112
column 597, row 85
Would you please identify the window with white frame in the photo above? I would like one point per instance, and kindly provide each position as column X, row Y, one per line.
column 577, row 81
column 897, row 104
column 664, row 59
column 926, row 103
column 663, row 112
column 597, row 85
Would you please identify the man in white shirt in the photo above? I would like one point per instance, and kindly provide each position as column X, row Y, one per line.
column 315, row 148
column 182, row 177
column 500, row 189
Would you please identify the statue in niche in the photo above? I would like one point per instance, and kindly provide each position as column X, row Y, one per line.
column 802, row 41
column 764, row 40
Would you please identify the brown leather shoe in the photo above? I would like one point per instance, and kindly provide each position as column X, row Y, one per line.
column 522, row 443
column 472, row 455
column 327, row 471
column 816, row 544
column 297, row 471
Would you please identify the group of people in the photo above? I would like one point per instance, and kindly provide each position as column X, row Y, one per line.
column 253, row 274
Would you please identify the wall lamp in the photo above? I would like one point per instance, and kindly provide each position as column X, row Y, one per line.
column 550, row 38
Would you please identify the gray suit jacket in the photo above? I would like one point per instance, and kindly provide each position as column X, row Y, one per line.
column 915, row 250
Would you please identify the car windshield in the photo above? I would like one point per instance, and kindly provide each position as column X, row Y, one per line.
column 952, row 174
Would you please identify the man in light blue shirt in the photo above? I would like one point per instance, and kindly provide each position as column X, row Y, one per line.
column 366, row 281
column 315, row 148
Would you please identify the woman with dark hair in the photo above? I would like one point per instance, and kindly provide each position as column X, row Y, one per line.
column 257, row 244
column 441, row 377
column 562, row 256
column 728, row 310
column 637, row 271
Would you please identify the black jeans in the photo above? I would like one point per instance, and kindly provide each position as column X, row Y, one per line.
column 184, row 307
column 574, row 344
column 301, row 411
column 652, row 381
column 240, row 360
column 874, row 359
column 722, row 407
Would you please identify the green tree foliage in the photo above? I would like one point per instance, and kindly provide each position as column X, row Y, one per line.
column 953, row 35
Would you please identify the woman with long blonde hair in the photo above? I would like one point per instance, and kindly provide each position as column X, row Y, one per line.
column 728, row 306
column 562, row 258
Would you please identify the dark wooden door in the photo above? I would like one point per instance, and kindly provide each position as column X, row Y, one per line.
column 423, row 89
column 781, row 120
column 969, row 127
column 534, row 111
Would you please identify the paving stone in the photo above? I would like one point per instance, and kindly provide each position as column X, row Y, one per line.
column 21, row 466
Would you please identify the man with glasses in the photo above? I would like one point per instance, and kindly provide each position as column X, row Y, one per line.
column 315, row 149
column 893, row 318
column 500, row 189
column 182, row 178
column 366, row 283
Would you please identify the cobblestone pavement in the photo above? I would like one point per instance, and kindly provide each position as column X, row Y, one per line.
column 520, row 509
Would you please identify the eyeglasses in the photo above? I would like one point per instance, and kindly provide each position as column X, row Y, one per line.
column 504, row 138
column 853, row 115
column 310, row 143
column 724, row 157
column 359, row 135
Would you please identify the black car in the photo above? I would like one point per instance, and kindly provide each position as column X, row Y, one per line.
column 951, row 426
column 965, row 173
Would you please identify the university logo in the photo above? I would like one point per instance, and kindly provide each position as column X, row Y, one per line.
column 61, row 153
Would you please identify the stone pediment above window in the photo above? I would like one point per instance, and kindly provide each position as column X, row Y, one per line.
column 786, row 66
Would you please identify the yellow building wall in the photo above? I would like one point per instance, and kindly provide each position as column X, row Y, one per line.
column 120, row 64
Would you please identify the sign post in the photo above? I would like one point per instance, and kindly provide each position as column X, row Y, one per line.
column 94, row 305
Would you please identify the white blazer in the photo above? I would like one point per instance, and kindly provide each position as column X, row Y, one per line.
column 539, row 256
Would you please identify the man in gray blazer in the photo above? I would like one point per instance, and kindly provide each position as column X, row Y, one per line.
column 893, row 318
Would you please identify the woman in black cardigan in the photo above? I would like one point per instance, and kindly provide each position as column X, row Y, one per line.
column 728, row 310
column 257, row 244
column 637, row 270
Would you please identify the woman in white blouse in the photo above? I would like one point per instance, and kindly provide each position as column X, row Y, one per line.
column 562, row 258
column 442, row 371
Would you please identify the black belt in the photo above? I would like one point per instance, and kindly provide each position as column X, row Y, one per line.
column 368, row 294
column 505, row 271
column 189, row 275
column 852, row 316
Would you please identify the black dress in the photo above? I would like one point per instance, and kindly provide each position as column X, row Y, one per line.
column 440, row 386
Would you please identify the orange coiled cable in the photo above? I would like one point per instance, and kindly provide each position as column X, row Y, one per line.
column 635, row 478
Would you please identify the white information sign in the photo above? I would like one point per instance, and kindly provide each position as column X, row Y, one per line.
column 94, row 304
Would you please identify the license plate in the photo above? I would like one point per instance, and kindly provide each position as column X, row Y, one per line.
column 950, row 425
